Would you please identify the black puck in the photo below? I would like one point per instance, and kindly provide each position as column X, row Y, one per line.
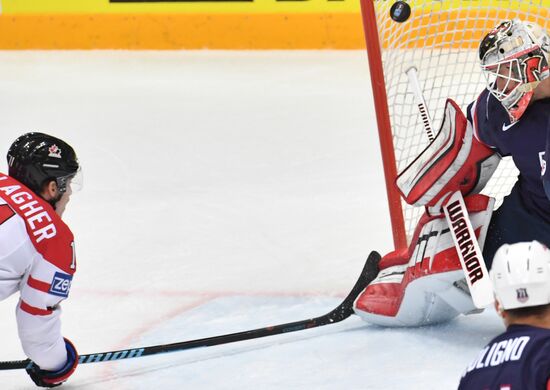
column 400, row 11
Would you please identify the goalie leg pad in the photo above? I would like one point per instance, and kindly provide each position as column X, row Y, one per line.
column 423, row 284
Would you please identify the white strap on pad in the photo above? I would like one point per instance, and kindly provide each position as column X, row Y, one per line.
column 469, row 252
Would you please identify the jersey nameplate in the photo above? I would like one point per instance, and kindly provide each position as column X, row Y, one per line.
column 504, row 351
column 39, row 221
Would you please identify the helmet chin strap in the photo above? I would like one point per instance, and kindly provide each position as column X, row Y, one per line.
column 529, row 87
column 517, row 111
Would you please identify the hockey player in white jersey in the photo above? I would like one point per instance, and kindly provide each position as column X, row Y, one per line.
column 37, row 257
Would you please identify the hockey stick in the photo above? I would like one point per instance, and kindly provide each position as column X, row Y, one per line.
column 464, row 238
column 420, row 102
column 340, row 313
column 469, row 252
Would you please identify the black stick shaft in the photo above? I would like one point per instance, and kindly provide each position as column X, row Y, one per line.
column 340, row 313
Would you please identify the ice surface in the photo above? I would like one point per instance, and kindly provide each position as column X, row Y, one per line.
column 223, row 191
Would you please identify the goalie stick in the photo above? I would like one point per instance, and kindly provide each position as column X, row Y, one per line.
column 340, row 313
column 464, row 238
column 420, row 102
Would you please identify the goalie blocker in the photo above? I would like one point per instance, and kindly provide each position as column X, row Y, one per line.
column 426, row 282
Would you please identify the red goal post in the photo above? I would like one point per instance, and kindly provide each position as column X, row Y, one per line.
column 440, row 38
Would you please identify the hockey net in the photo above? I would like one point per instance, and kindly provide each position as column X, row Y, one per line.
column 440, row 38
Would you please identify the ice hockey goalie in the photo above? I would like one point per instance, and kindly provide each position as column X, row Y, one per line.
column 424, row 283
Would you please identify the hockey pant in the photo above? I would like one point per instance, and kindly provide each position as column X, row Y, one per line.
column 424, row 284
column 512, row 223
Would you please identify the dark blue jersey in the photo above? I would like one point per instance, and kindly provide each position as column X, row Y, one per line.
column 524, row 141
column 546, row 172
column 517, row 359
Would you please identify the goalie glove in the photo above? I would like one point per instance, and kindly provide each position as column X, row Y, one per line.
column 454, row 161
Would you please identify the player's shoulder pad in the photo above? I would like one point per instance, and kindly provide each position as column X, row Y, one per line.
column 477, row 114
column 51, row 237
column 486, row 114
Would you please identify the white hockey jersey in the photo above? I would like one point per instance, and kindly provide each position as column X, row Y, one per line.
column 37, row 259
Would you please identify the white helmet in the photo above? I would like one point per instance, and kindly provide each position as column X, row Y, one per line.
column 514, row 58
column 521, row 275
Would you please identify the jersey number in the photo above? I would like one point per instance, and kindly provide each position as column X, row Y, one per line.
column 5, row 213
column 73, row 262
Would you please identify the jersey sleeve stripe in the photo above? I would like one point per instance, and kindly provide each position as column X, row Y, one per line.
column 35, row 311
column 38, row 284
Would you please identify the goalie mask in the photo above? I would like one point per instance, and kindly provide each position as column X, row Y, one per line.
column 514, row 59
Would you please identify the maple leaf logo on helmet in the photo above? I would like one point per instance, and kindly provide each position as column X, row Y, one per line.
column 54, row 151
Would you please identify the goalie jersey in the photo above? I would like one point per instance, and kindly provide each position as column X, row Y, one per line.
column 524, row 140
column 517, row 359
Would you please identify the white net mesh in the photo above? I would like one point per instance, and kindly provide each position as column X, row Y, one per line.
column 440, row 39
